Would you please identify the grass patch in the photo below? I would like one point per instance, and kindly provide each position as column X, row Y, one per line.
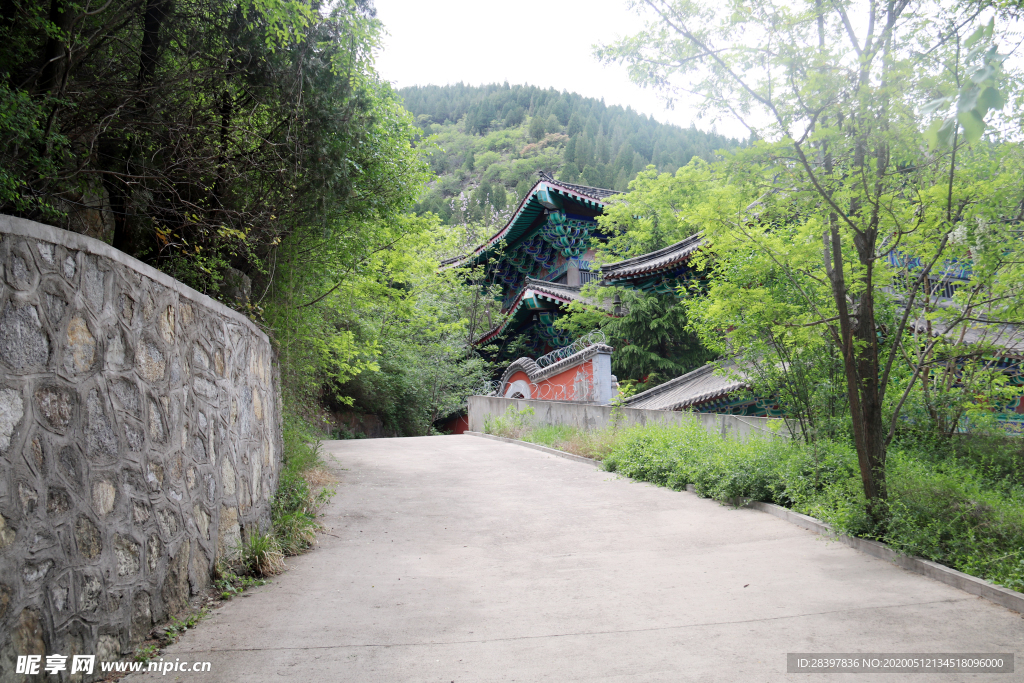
column 516, row 424
column 304, row 488
column 596, row 444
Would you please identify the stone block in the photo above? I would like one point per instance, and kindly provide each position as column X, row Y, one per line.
column 23, row 342
column 68, row 268
column 104, row 497
column 142, row 617
column 54, row 306
column 92, row 284
column 60, row 595
column 58, row 502
column 229, row 533
column 5, row 600
column 200, row 359
column 87, row 538
column 166, row 324
column 155, row 476
column 56, row 405
column 202, row 521
column 46, row 252
column 21, row 272
column 127, row 306
column 100, row 440
column 175, row 590
column 27, row 636
column 128, row 554
column 140, row 511
column 134, row 438
column 35, row 447
column 150, row 362
column 115, row 353
column 257, row 406
column 200, row 573
column 34, row 572
column 7, row 534
column 127, row 394
column 108, row 649
column 68, row 465
column 204, row 387
column 28, row 497
column 12, row 409
column 157, row 432
column 227, row 477
column 167, row 520
column 80, row 346
column 153, row 546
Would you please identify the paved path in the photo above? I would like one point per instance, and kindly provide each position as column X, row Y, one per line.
column 463, row 559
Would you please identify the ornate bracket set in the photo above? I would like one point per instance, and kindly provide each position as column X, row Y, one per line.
column 560, row 235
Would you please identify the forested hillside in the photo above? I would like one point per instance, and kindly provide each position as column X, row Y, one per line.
column 486, row 144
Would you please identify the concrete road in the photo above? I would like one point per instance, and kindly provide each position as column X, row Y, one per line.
column 464, row 559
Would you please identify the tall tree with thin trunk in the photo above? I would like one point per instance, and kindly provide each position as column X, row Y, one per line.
column 839, row 97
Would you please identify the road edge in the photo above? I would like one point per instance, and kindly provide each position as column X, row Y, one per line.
column 1004, row 597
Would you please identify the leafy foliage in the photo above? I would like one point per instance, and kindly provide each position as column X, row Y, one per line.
column 487, row 143
column 651, row 340
column 838, row 205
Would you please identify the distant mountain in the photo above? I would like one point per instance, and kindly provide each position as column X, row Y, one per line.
column 486, row 143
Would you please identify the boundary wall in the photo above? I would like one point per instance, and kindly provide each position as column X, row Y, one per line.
column 588, row 416
column 140, row 439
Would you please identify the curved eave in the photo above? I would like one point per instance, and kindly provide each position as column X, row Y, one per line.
column 518, row 304
column 655, row 262
column 528, row 210
column 704, row 399
column 644, row 274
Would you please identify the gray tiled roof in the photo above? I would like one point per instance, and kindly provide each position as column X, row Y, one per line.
column 698, row 386
column 595, row 192
column 554, row 288
column 654, row 261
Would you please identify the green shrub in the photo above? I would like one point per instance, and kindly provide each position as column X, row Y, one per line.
column 946, row 513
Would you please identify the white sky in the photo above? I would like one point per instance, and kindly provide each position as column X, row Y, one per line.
column 541, row 42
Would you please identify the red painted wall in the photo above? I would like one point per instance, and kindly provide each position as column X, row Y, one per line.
column 561, row 387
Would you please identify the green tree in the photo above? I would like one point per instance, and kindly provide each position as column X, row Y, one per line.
column 536, row 128
column 839, row 97
column 651, row 337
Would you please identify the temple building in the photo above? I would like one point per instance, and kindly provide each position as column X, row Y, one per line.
column 542, row 258
column 544, row 255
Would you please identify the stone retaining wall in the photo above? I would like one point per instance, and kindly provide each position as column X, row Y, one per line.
column 139, row 440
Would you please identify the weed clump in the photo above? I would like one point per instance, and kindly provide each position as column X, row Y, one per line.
column 303, row 490
column 512, row 425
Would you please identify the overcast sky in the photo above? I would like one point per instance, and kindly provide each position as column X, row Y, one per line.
column 541, row 42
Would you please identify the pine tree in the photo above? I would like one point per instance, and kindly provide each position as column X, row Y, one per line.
column 537, row 129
